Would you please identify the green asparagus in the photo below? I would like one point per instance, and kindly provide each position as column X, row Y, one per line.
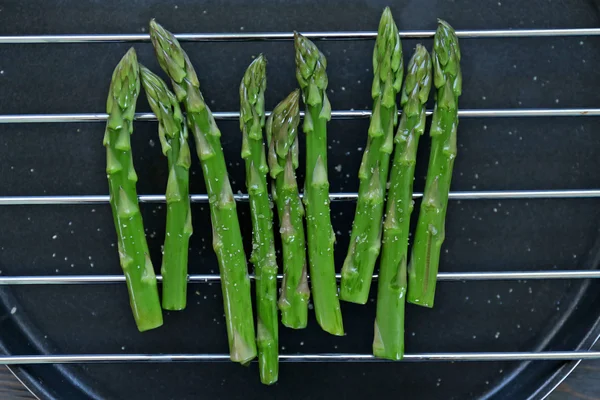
column 365, row 241
column 447, row 78
column 389, row 323
column 282, row 136
column 252, row 121
column 133, row 248
column 173, row 135
column 311, row 75
column 227, row 239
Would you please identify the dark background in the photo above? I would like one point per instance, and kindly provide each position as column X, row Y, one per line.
column 494, row 154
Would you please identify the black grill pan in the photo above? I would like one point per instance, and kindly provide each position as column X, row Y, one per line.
column 493, row 226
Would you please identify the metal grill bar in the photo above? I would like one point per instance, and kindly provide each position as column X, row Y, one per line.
column 203, row 198
column 340, row 357
column 205, row 278
column 272, row 36
column 339, row 114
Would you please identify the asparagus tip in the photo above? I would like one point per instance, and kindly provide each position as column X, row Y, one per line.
column 445, row 24
column 282, row 130
column 386, row 15
column 293, row 98
column 446, row 35
column 131, row 54
column 155, row 28
column 420, row 51
column 260, row 59
column 257, row 67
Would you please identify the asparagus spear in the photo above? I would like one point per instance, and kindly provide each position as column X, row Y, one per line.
column 133, row 248
column 311, row 75
column 282, row 136
column 389, row 322
column 173, row 139
column 252, row 120
column 227, row 239
column 365, row 241
column 447, row 78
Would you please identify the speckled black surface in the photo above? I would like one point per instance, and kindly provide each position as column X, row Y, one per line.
column 494, row 154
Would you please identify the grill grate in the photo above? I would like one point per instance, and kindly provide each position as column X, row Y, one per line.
column 339, row 114
column 347, row 35
column 335, row 114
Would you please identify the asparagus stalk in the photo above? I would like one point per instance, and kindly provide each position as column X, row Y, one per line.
column 282, row 136
column 389, row 322
column 173, row 135
column 252, row 120
column 447, row 78
column 133, row 248
column 227, row 239
column 365, row 241
column 311, row 75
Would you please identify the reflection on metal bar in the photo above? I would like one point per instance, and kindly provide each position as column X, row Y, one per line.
column 340, row 357
column 272, row 36
column 338, row 114
column 203, row 198
column 205, row 278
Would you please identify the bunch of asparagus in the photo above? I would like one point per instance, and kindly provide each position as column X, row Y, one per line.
column 279, row 160
column 389, row 322
column 430, row 233
column 312, row 78
column 365, row 240
column 227, row 239
column 282, row 136
column 172, row 132
column 252, row 121
column 133, row 248
column 388, row 339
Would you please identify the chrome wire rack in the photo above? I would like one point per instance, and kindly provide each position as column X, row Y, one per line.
column 339, row 114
